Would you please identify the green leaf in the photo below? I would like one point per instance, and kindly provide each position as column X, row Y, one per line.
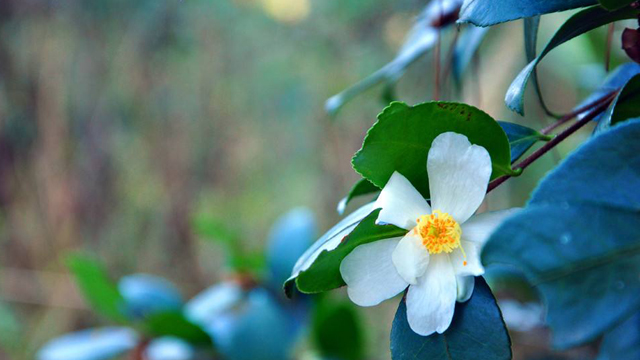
column 491, row 12
column 521, row 138
column 362, row 187
column 324, row 273
column 401, row 138
column 476, row 332
column 174, row 323
column 337, row 331
column 96, row 286
column 578, row 24
column 578, row 241
column 614, row 4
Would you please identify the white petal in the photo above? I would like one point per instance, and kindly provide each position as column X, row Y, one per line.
column 401, row 203
column 479, row 227
column 411, row 258
column 430, row 303
column 473, row 265
column 465, row 287
column 369, row 273
column 458, row 175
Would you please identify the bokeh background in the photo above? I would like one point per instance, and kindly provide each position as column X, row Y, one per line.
column 120, row 120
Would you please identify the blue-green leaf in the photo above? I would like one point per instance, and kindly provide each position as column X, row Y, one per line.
column 578, row 24
column 145, row 294
column 521, row 138
column 491, row 12
column 476, row 332
column 578, row 241
column 91, row 344
column 623, row 342
column 465, row 48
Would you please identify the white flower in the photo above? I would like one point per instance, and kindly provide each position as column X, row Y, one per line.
column 439, row 256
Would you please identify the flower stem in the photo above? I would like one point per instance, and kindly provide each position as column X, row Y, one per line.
column 596, row 107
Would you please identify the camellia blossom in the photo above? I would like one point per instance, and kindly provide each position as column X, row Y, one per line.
column 440, row 255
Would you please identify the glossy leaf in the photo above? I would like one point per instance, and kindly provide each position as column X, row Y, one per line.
column 623, row 342
column 327, row 242
column 401, row 138
column 521, row 138
column 422, row 38
column 614, row 4
column 91, row 344
column 337, row 331
column 288, row 239
column 578, row 24
column 575, row 240
column 476, row 332
column 491, row 12
column 324, row 273
column 175, row 324
column 362, row 187
column 96, row 286
column 145, row 294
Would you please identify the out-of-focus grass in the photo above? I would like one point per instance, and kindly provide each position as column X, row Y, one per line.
column 121, row 119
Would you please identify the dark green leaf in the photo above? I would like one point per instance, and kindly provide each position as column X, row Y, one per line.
column 362, row 187
column 174, row 323
column 324, row 273
column 401, row 138
column 521, row 138
column 614, row 4
column 578, row 24
column 491, row 12
column 578, row 241
column 337, row 331
column 623, row 342
column 476, row 332
column 96, row 286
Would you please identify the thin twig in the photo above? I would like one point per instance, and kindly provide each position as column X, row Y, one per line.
column 565, row 118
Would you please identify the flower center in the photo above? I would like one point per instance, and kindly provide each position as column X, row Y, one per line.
column 439, row 232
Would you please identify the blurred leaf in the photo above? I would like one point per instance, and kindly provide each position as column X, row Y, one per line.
column 491, row 12
column 614, row 4
column 476, row 332
column 623, row 342
column 259, row 330
column 289, row 238
column 214, row 230
column 362, row 187
column 521, row 138
column 10, row 328
column 337, row 331
column 401, row 138
column 146, row 294
column 422, row 37
column 175, row 324
column 211, row 303
column 324, row 273
column 91, row 344
column 327, row 242
column 96, row 286
column 169, row 348
column 465, row 48
column 578, row 24
column 577, row 241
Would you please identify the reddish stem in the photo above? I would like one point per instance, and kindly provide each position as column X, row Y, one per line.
column 599, row 108
column 565, row 118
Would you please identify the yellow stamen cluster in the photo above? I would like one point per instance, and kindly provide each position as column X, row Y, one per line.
column 439, row 232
